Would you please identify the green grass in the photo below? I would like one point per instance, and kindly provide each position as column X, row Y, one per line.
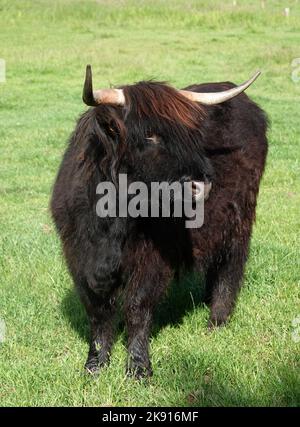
column 46, row 45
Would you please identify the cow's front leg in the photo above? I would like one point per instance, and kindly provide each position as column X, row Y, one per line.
column 138, row 321
column 101, row 310
column 148, row 283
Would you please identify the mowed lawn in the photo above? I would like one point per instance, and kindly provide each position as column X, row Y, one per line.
column 46, row 45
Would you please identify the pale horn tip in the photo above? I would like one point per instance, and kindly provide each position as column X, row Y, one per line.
column 256, row 75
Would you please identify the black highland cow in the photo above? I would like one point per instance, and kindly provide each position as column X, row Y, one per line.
column 152, row 132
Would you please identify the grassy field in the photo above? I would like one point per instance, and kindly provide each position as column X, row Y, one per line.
column 46, row 45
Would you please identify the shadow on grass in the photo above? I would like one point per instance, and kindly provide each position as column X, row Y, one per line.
column 216, row 386
column 75, row 314
column 181, row 298
column 279, row 386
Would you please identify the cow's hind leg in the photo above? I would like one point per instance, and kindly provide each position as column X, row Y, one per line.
column 223, row 282
column 143, row 292
column 101, row 312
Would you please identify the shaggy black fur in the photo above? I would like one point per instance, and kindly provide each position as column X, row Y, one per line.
column 225, row 144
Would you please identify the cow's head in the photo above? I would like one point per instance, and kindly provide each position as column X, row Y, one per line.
column 155, row 130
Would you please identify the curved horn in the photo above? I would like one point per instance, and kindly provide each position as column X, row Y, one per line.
column 101, row 96
column 211, row 98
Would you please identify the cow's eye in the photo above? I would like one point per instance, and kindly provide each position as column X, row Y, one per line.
column 154, row 139
column 110, row 131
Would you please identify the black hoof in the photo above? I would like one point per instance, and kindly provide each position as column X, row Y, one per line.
column 216, row 322
column 94, row 364
column 139, row 372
